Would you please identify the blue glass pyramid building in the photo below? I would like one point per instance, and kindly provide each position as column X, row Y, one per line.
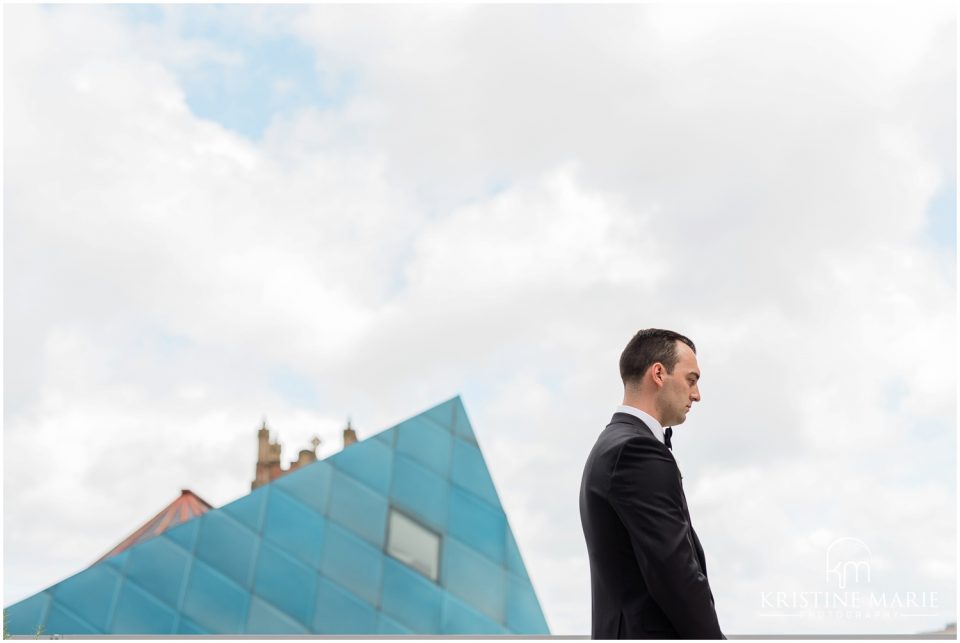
column 401, row 533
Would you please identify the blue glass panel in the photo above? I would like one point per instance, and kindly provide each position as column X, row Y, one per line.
column 62, row 621
column 461, row 424
column 310, row 485
column 386, row 625
column 514, row 560
column 227, row 545
column 421, row 492
column 118, row 560
column 89, row 594
column 25, row 617
column 410, row 598
column 523, row 610
column 369, row 462
column 184, row 535
column 460, row 618
column 295, row 527
column 477, row 524
column 388, row 437
column 353, row 563
column 250, row 508
column 138, row 612
column 340, row 612
column 426, row 443
column 473, row 578
column 359, row 508
column 158, row 566
column 214, row 601
column 266, row 619
column 442, row 414
column 285, row 582
column 470, row 472
column 189, row 627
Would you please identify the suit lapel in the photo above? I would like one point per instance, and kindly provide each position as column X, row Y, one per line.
column 640, row 425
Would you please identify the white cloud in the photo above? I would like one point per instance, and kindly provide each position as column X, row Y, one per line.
column 508, row 194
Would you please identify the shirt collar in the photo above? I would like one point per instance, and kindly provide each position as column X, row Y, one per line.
column 647, row 419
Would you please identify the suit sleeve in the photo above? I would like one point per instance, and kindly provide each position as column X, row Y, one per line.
column 645, row 492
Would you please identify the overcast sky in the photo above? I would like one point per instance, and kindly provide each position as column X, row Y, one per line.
column 215, row 215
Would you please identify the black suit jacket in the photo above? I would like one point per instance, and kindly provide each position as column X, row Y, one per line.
column 647, row 570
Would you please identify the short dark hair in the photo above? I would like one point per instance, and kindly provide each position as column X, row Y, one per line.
column 649, row 346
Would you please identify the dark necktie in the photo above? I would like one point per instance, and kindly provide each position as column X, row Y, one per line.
column 667, row 432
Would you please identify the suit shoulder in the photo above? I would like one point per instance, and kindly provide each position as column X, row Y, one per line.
column 605, row 452
column 646, row 452
column 618, row 435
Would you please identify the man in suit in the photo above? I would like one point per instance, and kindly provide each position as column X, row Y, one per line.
column 647, row 569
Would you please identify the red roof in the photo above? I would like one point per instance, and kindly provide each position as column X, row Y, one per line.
column 188, row 506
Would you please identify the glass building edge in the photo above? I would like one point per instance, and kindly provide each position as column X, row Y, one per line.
column 227, row 545
column 184, row 534
column 517, row 566
column 253, row 519
column 427, row 413
column 51, row 589
column 310, row 484
column 159, row 567
column 461, row 422
column 473, row 578
column 91, row 595
column 369, row 461
column 518, row 570
column 426, row 443
column 470, row 470
column 118, row 560
column 250, row 509
column 27, row 616
column 523, row 615
column 441, row 414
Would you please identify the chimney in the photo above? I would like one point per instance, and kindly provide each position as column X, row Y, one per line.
column 268, row 457
column 349, row 435
column 306, row 456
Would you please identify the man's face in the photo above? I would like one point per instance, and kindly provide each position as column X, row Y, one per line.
column 680, row 389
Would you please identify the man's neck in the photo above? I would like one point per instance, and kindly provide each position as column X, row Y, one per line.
column 644, row 405
column 652, row 423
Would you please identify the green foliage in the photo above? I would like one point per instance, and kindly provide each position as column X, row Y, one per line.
column 6, row 632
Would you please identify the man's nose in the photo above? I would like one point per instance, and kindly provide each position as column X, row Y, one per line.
column 695, row 396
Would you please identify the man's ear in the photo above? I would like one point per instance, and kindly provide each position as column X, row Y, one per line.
column 658, row 372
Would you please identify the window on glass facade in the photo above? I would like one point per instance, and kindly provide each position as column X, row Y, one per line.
column 413, row 544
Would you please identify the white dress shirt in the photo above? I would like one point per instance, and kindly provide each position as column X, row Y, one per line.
column 647, row 419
